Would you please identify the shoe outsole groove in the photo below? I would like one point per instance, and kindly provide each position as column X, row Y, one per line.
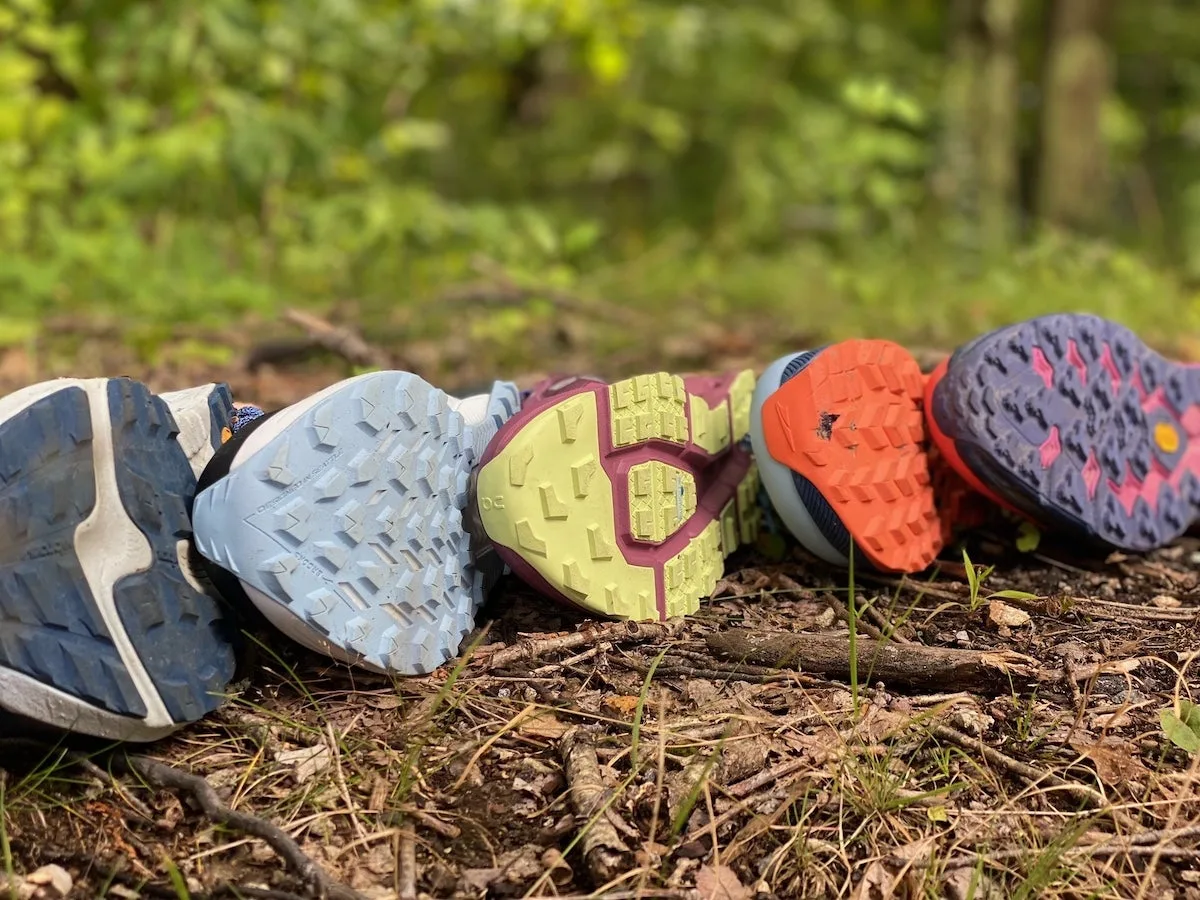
column 1074, row 422
column 624, row 499
column 178, row 631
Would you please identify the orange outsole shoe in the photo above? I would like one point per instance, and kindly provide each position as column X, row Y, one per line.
column 839, row 435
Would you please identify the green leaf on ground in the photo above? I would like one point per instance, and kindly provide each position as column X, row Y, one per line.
column 1013, row 595
column 1028, row 537
column 1182, row 730
column 1190, row 713
column 772, row 546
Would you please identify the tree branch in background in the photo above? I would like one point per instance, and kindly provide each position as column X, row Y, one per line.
column 498, row 288
column 1073, row 173
column 340, row 340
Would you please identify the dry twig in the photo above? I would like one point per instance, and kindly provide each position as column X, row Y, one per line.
column 615, row 632
column 445, row 829
column 406, row 865
column 1030, row 774
column 1140, row 843
column 340, row 778
column 603, row 849
column 910, row 665
column 159, row 774
column 832, row 601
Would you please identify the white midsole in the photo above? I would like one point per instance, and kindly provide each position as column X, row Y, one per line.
column 777, row 478
column 41, row 702
column 110, row 546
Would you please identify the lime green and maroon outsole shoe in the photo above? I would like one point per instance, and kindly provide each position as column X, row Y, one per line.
column 623, row 499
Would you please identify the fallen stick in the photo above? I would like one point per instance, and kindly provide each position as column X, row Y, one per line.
column 1032, row 775
column 161, row 775
column 909, row 665
column 615, row 632
column 406, row 865
column 1141, row 843
column 680, row 656
column 670, row 669
column 342, row 341
column 445, row 829
column 603, row 850
column 839, row 608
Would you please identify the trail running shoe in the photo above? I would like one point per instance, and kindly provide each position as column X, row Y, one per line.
column 341, row 517
column 1074, row 422
column 103, row 630
column 839, row 436
column 623, row 499
column 204, row 416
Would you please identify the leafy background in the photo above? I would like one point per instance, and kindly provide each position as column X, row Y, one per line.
column 915, row 170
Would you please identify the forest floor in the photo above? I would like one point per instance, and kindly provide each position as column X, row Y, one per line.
column 989, row 747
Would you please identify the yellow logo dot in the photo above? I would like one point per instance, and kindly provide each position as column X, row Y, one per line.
column 1166, row 437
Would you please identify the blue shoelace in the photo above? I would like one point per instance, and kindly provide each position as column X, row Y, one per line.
column 243, row 417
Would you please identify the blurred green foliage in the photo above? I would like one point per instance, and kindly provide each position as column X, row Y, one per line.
column 186, row 161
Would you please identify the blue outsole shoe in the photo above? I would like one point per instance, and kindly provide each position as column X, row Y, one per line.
column 103, row 629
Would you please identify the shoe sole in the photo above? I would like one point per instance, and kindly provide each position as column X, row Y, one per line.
column 350, row 521
column 201, row 414
column 844, row 439
column 625, row 499
column 1072, row 421
column 104, row 634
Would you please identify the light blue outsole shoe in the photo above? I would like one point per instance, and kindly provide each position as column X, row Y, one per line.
column 342, row 517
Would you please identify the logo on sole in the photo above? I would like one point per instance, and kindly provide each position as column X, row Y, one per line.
column 1166, row 437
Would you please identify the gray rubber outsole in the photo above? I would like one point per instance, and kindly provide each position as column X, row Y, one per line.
column 351, row 519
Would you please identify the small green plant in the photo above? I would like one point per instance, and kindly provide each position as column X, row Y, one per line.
column 693, row 795
column 1181, row 725
column 178, row 882
column 852, row 622
column 976, row 576
column 1025, row 724
column 1047, row 868
column 5, row 848
column 635, row 736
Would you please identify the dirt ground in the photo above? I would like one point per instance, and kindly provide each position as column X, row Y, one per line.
column 1014, row 748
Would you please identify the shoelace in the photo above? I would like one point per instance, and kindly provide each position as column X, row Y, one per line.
column 242, row 417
